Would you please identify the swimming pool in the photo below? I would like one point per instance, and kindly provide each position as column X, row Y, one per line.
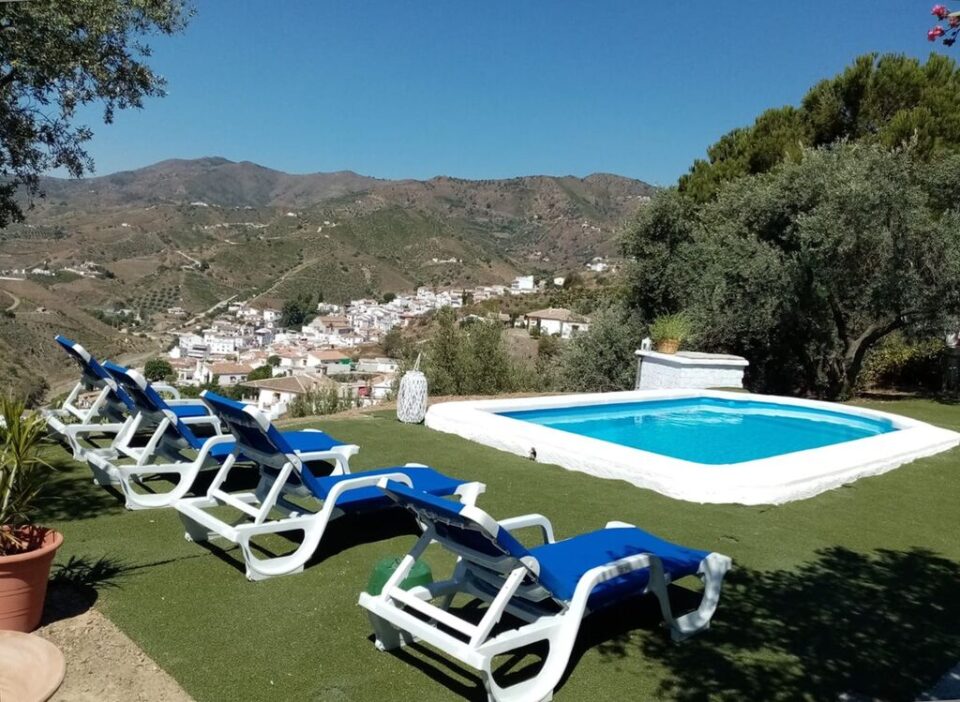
column 700, row 445
column 727, row 431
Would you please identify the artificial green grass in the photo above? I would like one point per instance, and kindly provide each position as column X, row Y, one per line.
column 854, row 591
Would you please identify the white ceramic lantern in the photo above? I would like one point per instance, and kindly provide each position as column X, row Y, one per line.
column 412, row 396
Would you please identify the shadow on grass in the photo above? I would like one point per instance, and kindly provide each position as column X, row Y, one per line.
column 346, row 532
column 880, row 626
column 74, row 586
column 71, row 494
column 884, row 625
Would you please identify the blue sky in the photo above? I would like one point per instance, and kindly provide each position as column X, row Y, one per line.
column 394, row 89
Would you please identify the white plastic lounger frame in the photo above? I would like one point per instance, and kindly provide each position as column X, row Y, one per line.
column 258, row 506
column 106, row 413
column 166, row 439
column 401, row 616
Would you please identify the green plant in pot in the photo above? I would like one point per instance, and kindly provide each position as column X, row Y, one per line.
column 26, row 549
column 669, row 331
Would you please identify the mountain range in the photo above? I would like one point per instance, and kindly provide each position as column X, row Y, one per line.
column 191, row 233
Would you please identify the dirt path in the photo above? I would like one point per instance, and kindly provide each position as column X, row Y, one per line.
column 16, row 301
column 103, row 664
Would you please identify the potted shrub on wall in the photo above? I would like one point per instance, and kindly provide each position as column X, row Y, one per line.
column 669, row 331
column 26, row 549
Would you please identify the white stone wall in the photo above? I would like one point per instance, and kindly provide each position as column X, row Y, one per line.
column 655, row 374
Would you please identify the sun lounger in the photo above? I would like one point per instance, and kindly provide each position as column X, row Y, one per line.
column 549, row 589
column 163, row 452
column 285, row 469
column 109, row 408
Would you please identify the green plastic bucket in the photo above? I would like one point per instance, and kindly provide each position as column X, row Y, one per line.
column 420, row 574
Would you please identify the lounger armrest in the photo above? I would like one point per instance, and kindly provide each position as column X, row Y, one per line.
column 469, row 492
column 210, row 443
column 166, row 387
column 614, row 569
column 341, row 451
column 530, row 520
column 188, row 402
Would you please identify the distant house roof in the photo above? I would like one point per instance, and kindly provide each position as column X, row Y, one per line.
column 294, row 384
column 329, row 355
column 559, row 314
column 331, row 321
column 230, row 368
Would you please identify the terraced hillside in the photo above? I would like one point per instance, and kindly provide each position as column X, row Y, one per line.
column 192, row 233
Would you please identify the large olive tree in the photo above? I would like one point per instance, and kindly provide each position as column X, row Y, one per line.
column 57, row 55
column 806, row 267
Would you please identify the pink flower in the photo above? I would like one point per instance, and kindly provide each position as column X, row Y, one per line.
column 939, row 11
column 935, row 33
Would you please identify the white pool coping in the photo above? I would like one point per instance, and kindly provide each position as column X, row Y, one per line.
column 774, row 480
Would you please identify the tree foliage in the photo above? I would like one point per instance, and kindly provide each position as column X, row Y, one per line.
column 158, row 369
column 467, row 360
column 602, row 359
column 806, row 267
column 58, row 56
column 296, row 312
column 890, row 100
column 264, row 372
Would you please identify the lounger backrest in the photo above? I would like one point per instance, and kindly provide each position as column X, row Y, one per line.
column 466, row 530
column 93, row 375
column 257, row 438
column 148, row 402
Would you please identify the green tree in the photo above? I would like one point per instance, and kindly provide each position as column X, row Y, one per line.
column 56, row 57
column 891, row 100
column 395, row 345
column 602, row 359
column 488, row 368
column 158, row 369
column 445, row 362
column 296, row 312
column 262, row 373
column 273, row 360
column 805, row 268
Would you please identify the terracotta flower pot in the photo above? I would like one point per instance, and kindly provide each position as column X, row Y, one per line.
column 23, row 583
column 668, row 345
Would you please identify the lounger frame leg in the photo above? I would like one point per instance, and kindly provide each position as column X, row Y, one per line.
column 394, row 625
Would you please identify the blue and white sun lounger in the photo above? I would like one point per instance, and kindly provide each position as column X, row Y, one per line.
column 550, row 588
column 284, row 469
column 172, row 434
column 109, row 409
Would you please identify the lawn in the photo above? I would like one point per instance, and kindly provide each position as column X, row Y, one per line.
column 854, row 591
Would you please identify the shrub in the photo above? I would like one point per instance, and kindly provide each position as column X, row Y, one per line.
column 158, row 369
column 902, row 364
column 676, row 327
column 603, row 359
column 22, row 472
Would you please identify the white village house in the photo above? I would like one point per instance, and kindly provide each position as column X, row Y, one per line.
column 274, row 395
column 556, row 321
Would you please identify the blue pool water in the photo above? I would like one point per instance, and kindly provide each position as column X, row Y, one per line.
column 709, row 430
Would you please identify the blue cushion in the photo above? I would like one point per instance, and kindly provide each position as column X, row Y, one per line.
column 301, row 441
column 191, row 410
column 426, row 480
column 562, row 564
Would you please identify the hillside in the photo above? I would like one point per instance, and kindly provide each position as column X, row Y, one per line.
column 191, row 233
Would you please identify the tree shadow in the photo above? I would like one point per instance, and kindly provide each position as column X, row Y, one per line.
column 71, row 494
column 74, row 586
column 343, row 533
column 880, row 626
column 884, row 625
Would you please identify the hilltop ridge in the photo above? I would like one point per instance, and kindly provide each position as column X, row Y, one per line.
column 192, row 232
